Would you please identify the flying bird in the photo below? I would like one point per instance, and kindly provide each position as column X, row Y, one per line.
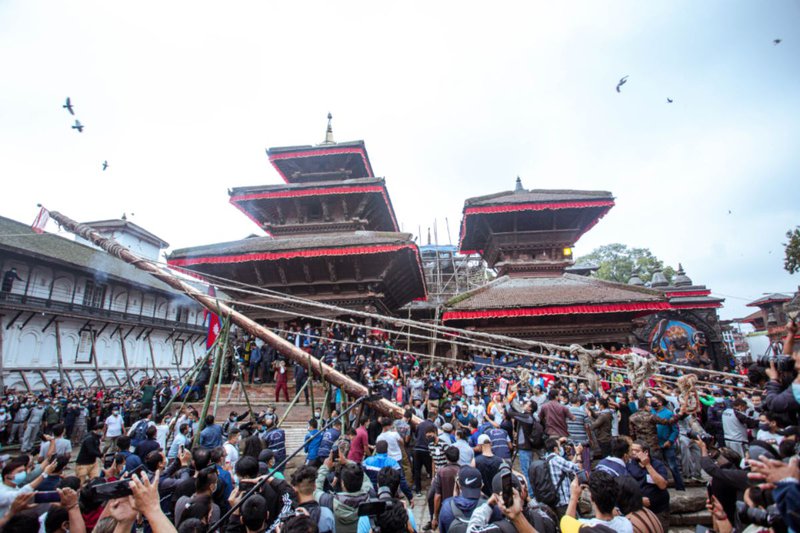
column 78, row 126
column 729, row 211
column 105, row 165
column 776, row 42
column 621, row 82
column 669, row 100
column 68, row 106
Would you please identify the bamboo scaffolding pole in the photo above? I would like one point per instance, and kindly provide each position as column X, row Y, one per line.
column 349, row 386
column 215, row 371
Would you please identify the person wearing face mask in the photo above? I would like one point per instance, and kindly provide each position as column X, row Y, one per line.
column 14, row 475
column 34, row 424
column 768, row 429
column 232, row 447
column 113, row 428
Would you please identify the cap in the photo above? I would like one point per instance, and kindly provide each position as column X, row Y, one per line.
column 484, row 439
column 470, row 481
column 447, row 427
column 789, row 431
column 497, row 480
column 573, row 525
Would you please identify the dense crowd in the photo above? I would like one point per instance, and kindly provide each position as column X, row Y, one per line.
column 504, row 445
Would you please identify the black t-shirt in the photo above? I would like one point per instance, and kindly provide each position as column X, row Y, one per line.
column 422, row 429
column 488, row 467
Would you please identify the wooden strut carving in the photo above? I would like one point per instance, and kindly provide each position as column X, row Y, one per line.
column 349, row 386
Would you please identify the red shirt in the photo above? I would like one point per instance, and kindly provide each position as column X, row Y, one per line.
column 358, row 446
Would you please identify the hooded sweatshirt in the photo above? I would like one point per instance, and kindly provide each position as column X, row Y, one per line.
column 343, row 504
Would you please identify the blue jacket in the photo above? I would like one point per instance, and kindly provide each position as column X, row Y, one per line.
column 787, row 498
column 446, row 517
column 374, row 464
column 666, row 433
column 312, row 447
column 132, row 461
column 211, row 437
column 329, row 437
column 275, row 439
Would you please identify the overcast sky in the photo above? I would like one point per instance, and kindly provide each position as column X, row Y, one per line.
column 453, row 100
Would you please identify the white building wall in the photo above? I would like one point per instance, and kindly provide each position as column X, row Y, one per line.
column 26, row 346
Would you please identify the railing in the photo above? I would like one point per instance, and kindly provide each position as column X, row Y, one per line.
column 34, row 303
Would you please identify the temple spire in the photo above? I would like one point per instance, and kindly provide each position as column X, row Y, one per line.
column 329, row 132
column 518, row 187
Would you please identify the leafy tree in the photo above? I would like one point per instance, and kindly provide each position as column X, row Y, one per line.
column 792, row 260
column 617, row 263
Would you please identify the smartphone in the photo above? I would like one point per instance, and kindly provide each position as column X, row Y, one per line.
column 508, row 493
column 112, row 490
column 46, row 497
column 335, row 455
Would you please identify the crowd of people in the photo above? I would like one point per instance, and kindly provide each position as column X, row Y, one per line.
column 526, row 446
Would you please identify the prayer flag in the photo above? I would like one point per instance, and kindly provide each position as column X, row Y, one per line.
column 41, row 220
column 214, row 324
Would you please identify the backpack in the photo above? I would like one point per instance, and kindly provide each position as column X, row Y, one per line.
column 542, row 482
column 461, row 520
column 140, row 432
column 537, row 434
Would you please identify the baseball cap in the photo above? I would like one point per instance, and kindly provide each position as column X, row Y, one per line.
column 447, row 428
column 484, row 439
column 497, row 481
column 573, row 525
column 470, row 481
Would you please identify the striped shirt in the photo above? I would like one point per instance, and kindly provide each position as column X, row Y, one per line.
column 577, row 426
column 437, row 453
column 645, row 521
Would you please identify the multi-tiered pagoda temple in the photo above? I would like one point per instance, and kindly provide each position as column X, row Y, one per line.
column 333, row 235
column 527, row 236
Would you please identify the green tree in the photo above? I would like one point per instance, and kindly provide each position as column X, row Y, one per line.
column 792, row 260
column 617, row 263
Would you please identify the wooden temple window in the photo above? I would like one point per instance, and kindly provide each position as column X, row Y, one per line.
column 94, row 295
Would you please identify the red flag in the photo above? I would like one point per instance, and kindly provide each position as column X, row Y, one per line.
column 41, row 220
column 214, row 323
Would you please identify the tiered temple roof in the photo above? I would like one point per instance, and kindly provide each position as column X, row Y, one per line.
column 334, row 235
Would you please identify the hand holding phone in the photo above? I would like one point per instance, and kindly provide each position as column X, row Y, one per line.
column 508, row 489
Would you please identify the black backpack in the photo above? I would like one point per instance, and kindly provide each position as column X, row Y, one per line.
column 460, row 520
column 542, row 482
column 537, row 434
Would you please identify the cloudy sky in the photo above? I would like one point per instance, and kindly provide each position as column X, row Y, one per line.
column 453, row 99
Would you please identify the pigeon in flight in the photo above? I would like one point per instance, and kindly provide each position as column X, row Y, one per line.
column 621, row 82
column 776, row 42
column 105, row 165
column 78, row 126
column 68, row 106
column 669, row 100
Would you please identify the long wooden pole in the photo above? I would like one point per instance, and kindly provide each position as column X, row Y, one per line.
column 288, row 349
column 124, row 357
column 58, row 354
column 2, row 356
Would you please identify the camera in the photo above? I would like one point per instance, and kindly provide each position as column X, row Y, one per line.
column 705, row 437
column 761, row 517
column 782, row 363
column 375, row 507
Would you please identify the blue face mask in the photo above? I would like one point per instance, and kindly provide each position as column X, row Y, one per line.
column 19, row 478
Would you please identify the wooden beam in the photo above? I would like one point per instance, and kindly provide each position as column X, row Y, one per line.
column 125, row 357
column 357, row 268
column 257, row 272
column 94, row 360
column 156, row 371
column 130, row 331
column 102, row 329
column 358, row 213
column 27, row 320
column 2, row 383
column 345, row 210
column 282, row 274
column 14, row 319
column 48, row 323
column 331, row 269
column 59, row 357
column 307, row 272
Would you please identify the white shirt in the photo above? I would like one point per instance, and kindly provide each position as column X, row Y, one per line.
column 618, row 523
column 231, row 454
column 8, row 494
column 161, row 435
column 468, row 384
column 393, row 440
column 114, row 424
column 63, row 446
column 477, row 411
column 766, row 436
